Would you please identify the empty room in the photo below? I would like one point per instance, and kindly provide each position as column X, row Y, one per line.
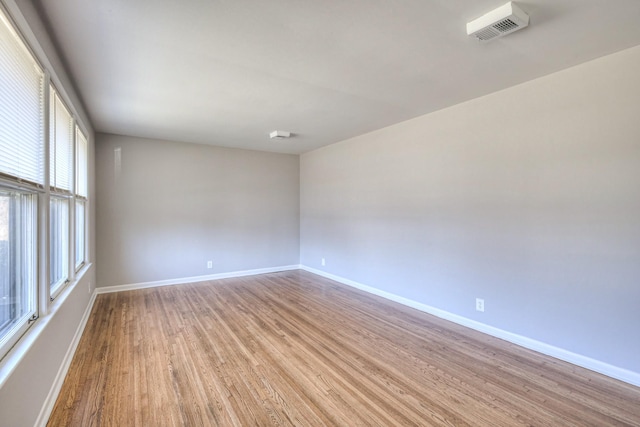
column 318, row 213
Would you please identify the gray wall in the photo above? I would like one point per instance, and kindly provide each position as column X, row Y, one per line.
column 23, row 394
column 528, row 198
column 175, row 206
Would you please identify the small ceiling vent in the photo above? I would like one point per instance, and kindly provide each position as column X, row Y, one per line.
column 279, row 134
column 499, row 22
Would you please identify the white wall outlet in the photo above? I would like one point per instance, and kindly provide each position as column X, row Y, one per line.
column 479, row 304
column 323, row 262
column 89, row 287
column 209, row 264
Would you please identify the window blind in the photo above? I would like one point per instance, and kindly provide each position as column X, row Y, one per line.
column 81, row 163
column 21, row 109
column 60, row 143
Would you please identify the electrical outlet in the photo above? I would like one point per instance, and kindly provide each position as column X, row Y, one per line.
column 89, row 287
column 209, row 264
column 323, row 262
column 480, row 304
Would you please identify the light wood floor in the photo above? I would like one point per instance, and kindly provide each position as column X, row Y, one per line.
column 293, row 348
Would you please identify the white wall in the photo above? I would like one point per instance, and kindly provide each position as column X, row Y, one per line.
column 174, row 206
column 30, row 371
column 528, row 198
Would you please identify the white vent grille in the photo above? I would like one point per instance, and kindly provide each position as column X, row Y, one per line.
column 499, row 22
column 486, row 34
column 506, row 26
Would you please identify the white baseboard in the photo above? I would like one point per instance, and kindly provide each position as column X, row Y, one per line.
column 50, row 401
column 541, row 347
column 194, row 279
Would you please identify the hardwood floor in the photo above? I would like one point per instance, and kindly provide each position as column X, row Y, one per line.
column 293, row 348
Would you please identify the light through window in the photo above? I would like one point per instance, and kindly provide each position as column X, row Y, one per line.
column 17, row 262
column 59, row 243
column 80, row 233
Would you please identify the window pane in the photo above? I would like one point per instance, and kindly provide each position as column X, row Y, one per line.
column 17, row 263
column 60, row 143
column 21, row 108
column 80, row 232
column 59, row 243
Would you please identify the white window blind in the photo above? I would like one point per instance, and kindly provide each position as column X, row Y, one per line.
column 21, row 109
column 81, row 163
column 60, row 143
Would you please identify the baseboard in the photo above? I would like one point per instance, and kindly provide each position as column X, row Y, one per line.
column 50, row 401
column 618, row 373
column 194, row 279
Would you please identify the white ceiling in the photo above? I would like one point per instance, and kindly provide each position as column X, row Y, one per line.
column 227, row 72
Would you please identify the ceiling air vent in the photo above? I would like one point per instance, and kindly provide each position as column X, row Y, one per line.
column 279, row 134
column 499, row 22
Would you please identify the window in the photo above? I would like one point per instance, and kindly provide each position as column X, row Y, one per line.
column 60, row 143
column 81, row 164
column 22, row 84
column 17, row 263
column 58, row 243
column 21, row 109
column 25, row 142
column 60, row 168
column 81, row 198
column 81, row 248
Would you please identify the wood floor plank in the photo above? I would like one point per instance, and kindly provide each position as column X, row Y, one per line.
column 295, row 349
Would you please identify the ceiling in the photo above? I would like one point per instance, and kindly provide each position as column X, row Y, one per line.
column 228, row 72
